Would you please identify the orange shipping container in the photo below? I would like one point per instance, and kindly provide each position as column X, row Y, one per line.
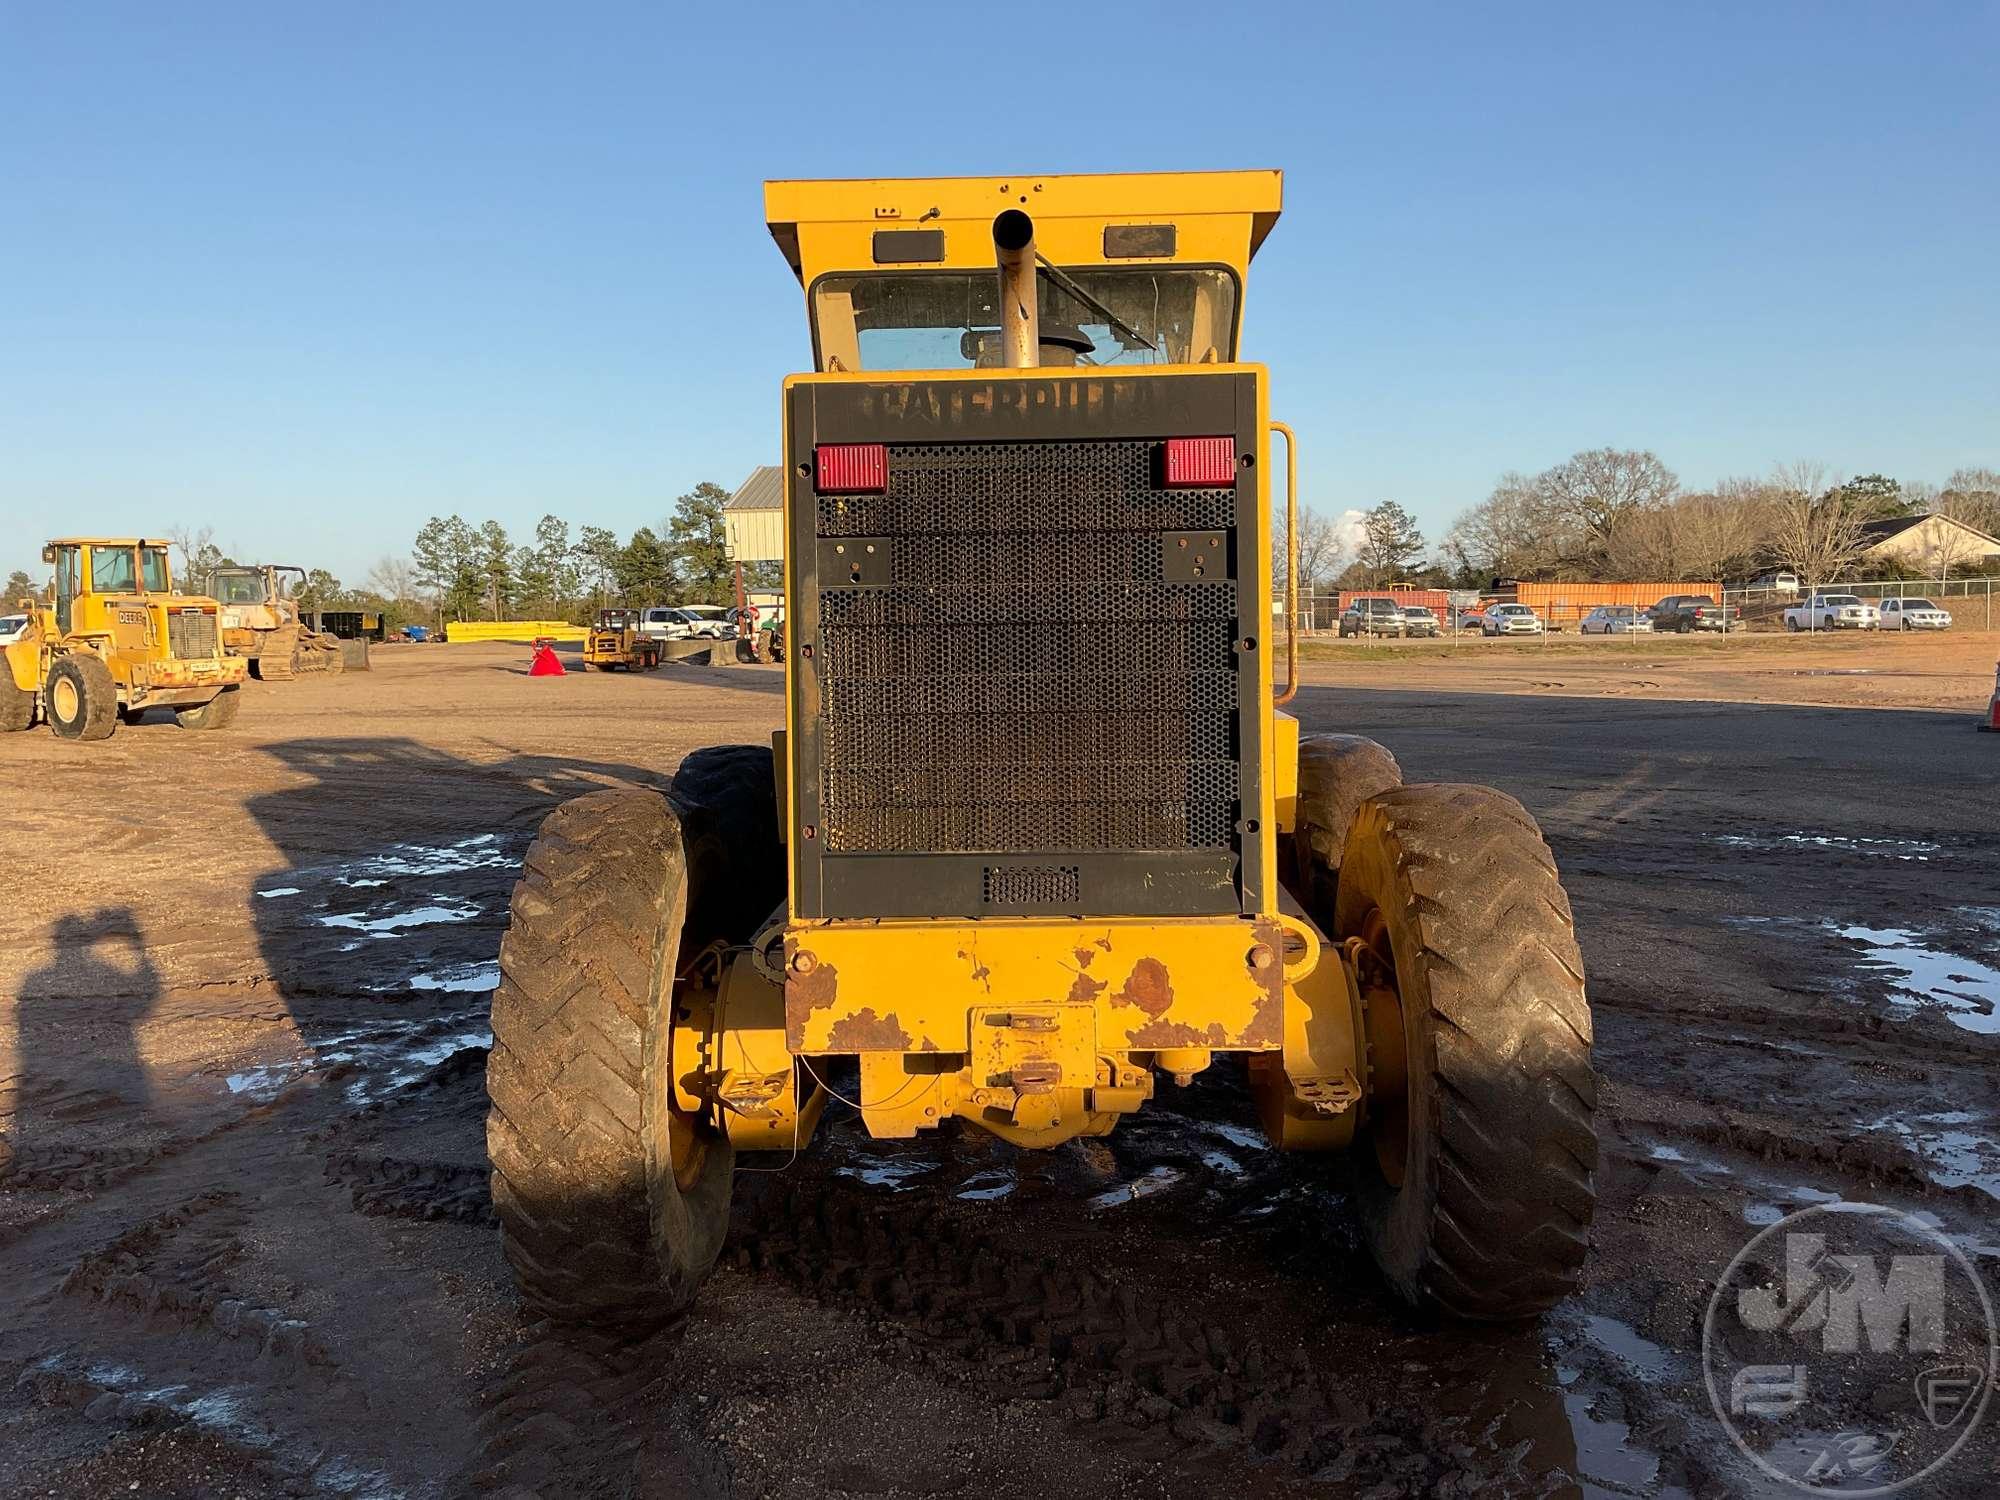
column 1566, row 603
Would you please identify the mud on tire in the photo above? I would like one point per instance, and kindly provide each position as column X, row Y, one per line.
column 80, row 698
column 1487, row 1214
column 597, row 1224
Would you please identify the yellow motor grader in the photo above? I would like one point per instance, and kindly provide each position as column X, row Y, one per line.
column 262, row 622
column 116, row 640
column 1037, row 834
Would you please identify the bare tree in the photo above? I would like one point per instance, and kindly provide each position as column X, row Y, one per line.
column 1322, row 542
column 1644, row 545
column 1814, row 530
column 194, row 546
column 1972, row 496
column 394, row 579
column 1717, row 534
column 1515, row 532
column 1600, row 487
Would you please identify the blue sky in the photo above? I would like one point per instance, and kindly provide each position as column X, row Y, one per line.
column 310, row 274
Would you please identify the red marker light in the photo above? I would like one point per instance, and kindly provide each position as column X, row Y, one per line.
column 1200, row 463
column 851, row 468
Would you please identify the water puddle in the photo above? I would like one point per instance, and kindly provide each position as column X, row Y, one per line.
column 280, row 890
column 1606, row 1457
column 897, row 1173
column 1154, row 1180
column 460, row 978
column 1955, row 1156
column 1641, row 1354
column 395, row 921
column 1919, row 850
column 1919, row 976
column 483, row 851
column 263, row 1084
column 987, row 1186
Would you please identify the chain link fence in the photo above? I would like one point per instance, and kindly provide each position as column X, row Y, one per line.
column 1970, row 602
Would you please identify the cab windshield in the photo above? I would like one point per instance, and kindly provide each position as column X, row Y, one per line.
column 239, row 588
column 948, row 320
column 111, row 570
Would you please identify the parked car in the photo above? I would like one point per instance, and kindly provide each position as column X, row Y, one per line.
column 1834, row 612
column 1897, row 614
column 1419, row 621
column 711, row 622
column 1510, row 619
column 1685, row 612
column 1373, row 616
column 12, row 628
column 1616, row 619
column 1777, row 583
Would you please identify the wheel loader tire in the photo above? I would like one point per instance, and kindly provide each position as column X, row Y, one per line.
column 218, row 713
column 80, row 699
column 17, row 704
column 1337, row 773
column 1476, row 1194
column 612, row 1207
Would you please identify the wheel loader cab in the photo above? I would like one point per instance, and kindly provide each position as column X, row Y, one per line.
column 1036, row 838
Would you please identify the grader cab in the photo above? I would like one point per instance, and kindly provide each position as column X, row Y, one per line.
column 1036, row 837
column 116, row 639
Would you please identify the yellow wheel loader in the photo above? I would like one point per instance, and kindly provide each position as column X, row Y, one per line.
column 261, row 622
column 1037, row 835
column 117, row 640
column 616, row 644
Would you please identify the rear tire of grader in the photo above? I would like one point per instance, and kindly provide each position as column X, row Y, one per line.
column 1475, row 1178
column 80, row 699
column 613, row 1205
column 1337, row 773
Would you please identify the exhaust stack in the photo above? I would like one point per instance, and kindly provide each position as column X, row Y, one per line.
column 1020, row 312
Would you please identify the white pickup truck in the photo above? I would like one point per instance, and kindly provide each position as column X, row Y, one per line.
column 1834, row 612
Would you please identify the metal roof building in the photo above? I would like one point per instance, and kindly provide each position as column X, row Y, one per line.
column 753, row 519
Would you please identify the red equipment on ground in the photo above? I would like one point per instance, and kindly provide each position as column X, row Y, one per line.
column 546, row 663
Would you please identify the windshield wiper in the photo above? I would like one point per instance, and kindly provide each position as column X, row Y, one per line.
column 1128, row 335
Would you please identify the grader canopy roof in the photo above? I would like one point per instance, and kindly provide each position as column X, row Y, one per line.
column 1141, row 269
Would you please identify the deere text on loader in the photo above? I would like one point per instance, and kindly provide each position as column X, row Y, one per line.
column 115, row 640
column 1036, row 836
column 262, row 621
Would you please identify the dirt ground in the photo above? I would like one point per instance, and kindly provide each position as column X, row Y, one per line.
column 246, row 1246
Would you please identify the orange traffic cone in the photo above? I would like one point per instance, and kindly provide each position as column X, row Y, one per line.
column 1992, row 724
column 545, row 663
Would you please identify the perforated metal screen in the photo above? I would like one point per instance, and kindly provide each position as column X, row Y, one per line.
column 1012, row 658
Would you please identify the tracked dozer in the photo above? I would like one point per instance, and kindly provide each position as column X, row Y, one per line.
column 1038, row 839
column 262, row 622
column 114, row 640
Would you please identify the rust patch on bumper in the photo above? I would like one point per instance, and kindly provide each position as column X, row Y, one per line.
column 804, row 994
column 1149, row 988
column 1267, row 1024
column 1157, row 1034
column 865, row 1032
column 1085, row 989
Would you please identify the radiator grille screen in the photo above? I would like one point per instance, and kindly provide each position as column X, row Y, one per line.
column 190, row 636
column 1026, row 677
